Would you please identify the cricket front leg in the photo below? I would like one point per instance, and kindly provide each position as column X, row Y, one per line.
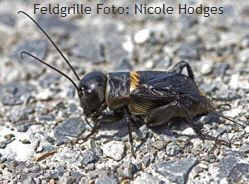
column 111, row 117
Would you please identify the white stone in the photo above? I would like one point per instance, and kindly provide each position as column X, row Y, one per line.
column 223, row 181
column 234, row 82
column 142, row 36
column 206, row 68
column 16, row 149
column 128, row 46
column 188, row 131
column 114, row 149
column 247, row 129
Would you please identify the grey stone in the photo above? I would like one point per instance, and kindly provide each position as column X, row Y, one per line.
column 7, row 19
column 50, row 139
column 209, row 87
column 161, row 154
column 62, row 140
column 221, row 69
column 143, row 132
column 106, row 180
column 35, row 47
column 226, row 165
column 89, row 167
column 60, row 105
column 244, row 148
column 50, row 22
column 29, row 110
column 47, row 117
column 189, row 51
column 209, row 119
column 54, row 175
column 16, row 116
column 159, row 145
column 98, row 45
column 33, row 168
column 48, row 148
column 61, row 168
column 71, row 92
column 67, row 180
column 176, row 171
column 188, row 21
column 126, row 170
column 172, row 149
column 72, row 107
column 123, row 65
column 239, row 154
column 114, row 49
column 229, row 11
column 90, row 48
column 15, row 166
column 48, row 80
column 76, row 175
column 239, row 173
column 163, row 63
column 28, row 180
column 22, row 126
column 15, row 93
column 229, row 95
column 73, row 127
column 138, row 166
column 245, row 11
column 89, row 156
column 148, row 159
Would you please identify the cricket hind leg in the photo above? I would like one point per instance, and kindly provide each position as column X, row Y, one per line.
column 180, row 66
column 164, row 114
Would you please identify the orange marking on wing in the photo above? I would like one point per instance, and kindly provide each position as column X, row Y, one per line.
column 134, row 80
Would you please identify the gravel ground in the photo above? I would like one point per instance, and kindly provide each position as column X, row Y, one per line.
column 41, row 122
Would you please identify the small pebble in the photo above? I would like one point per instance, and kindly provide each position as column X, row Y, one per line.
column 3, row 144
column 47, row 117
column 89, row 156
column 126, row 170
column 159, row 145
column 142, row 36
column 234, row 81
column 172, row 149
column 25, row 141
column 114, row 149
column 244, row 148
column 206, row 68
column 73, row 127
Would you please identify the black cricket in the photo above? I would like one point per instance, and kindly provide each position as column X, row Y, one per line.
column 152, row 97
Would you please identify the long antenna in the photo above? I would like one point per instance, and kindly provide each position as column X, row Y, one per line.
column 50, row 66
column 229, row 119
column 52, row 43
